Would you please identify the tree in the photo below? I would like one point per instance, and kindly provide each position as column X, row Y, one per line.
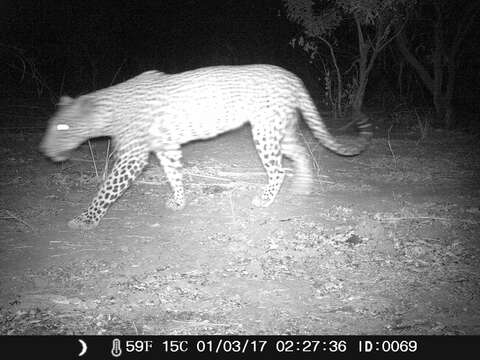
column 432, row 46
column 372, row 20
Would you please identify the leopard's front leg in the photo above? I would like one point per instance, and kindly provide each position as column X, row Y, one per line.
column 126, row 169
column 170, row 161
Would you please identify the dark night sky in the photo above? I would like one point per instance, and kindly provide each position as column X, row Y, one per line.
column 78, row 46
column 76, row 40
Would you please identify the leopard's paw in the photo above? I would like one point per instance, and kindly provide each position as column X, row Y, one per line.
column 82, row 222
column 260, row 201
column 175, row 204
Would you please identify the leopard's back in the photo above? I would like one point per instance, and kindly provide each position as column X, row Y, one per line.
column 207, row 102
column 203, row 103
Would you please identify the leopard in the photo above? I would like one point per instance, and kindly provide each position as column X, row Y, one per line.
column 157, row 113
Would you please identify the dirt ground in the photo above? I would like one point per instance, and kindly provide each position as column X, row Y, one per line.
column 388, row 243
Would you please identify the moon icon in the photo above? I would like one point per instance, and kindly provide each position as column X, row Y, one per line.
column 84, row 347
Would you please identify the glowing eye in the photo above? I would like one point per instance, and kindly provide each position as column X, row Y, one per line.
column 63, row 127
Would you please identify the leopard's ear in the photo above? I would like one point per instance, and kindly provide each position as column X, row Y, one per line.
column 65, row 100
column 85, row 105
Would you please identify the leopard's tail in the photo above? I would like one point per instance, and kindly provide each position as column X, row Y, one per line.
column 320, row 131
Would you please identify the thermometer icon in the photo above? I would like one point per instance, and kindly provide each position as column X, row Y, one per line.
column 116, row 349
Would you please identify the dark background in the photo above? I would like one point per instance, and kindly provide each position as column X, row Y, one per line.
column 83, row 45
column 55, row 47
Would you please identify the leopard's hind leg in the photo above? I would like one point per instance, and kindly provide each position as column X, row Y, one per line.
column 292, row 148
column 267, row 139
column 170, row 161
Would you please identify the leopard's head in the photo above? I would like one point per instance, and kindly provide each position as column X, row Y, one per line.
column 72, row 124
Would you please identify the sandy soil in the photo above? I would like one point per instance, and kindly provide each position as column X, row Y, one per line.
column 388, row 243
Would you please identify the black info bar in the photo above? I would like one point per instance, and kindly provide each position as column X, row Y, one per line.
column 175, row 347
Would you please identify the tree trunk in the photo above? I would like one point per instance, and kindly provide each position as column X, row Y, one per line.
column 441, row 102
column 363, row 48
column 441, row 83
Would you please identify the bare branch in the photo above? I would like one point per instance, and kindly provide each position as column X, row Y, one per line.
column 424, row 75
column 471, row 12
